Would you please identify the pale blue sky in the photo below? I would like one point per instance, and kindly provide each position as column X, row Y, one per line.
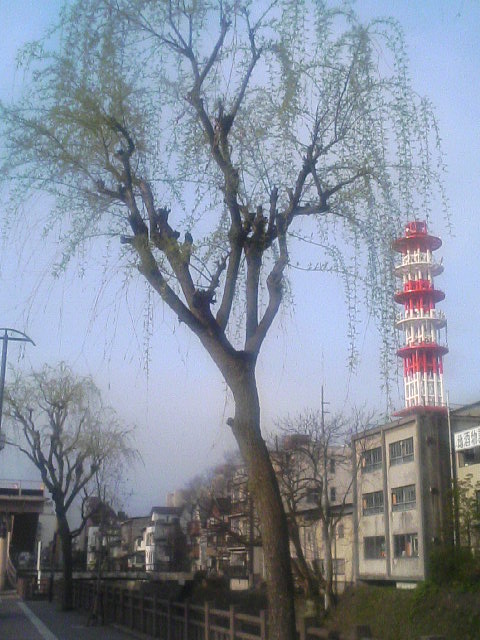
column 181, row 406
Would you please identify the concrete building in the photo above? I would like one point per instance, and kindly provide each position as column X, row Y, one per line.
column 132, row 543
column 403, row 481
column 165, row 548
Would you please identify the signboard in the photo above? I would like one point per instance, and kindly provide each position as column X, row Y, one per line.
column 467, row 439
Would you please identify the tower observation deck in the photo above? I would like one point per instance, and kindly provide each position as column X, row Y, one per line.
column 424, row 327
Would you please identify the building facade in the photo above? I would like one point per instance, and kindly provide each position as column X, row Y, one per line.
column 405, row 473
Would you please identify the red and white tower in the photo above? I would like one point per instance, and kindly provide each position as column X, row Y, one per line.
column 421, row 322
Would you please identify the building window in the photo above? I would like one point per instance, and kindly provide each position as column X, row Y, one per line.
column 333, row 494
column 341, row 531
column 372, row 503
column 374, row 547
column 401, row 451
column 372, row 460
column 332, row 465
column 339, row 566
column 405, row 545
column 404, row 498
column 467, row 457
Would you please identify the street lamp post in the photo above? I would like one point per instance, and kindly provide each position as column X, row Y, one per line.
column 17, row 336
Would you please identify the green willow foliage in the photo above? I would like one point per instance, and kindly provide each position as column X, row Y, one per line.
column 320, row 80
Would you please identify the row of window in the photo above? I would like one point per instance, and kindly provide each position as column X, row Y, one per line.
column 403, row 499
column 400, row 453
column 314, row 495
column 468, row 457
column 405, row 545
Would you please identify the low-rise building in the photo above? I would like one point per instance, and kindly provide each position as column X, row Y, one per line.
column 165, row 545
column 403, row 491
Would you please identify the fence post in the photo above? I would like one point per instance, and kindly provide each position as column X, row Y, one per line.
column 232, row 622
column 114, row 604
column 263, row 625
column 207, row 621
column 132, row 613
column 154, row 615
column 302, row 628
column 186, row 619
column 142, row 611
column 110, row 596
column 105, row 604
column 169, row 619
column 122, row 607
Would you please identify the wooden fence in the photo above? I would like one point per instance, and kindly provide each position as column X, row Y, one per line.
column 169, row 620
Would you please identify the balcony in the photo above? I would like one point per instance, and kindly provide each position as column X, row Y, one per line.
column 418, row 259
column 418, row 315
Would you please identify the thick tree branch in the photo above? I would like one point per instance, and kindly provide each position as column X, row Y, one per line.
column 254, row 264
column 231, row 278
column 274, row 286
column 166, row 239
column 149, row 268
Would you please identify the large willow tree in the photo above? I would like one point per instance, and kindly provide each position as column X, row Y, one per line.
column 216, row 140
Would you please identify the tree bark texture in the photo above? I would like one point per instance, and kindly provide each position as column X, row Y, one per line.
column 266, row 494
column 66, row 542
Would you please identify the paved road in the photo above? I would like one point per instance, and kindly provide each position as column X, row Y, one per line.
column 40, row 620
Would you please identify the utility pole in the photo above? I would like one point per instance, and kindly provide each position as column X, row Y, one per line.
column 323, row 411
column 325, row 502
column 17, row 336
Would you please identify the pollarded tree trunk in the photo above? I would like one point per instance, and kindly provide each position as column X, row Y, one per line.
column 304, row 571
column 66, row 542
column 268, row 502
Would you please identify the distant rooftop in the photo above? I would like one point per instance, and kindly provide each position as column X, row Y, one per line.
column 174, row 511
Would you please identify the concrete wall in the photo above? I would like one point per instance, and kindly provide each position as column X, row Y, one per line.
column 409, row 521
column 371, row 525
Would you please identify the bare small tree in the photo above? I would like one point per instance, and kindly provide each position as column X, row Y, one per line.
column 312, row 452
column 70, row 436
